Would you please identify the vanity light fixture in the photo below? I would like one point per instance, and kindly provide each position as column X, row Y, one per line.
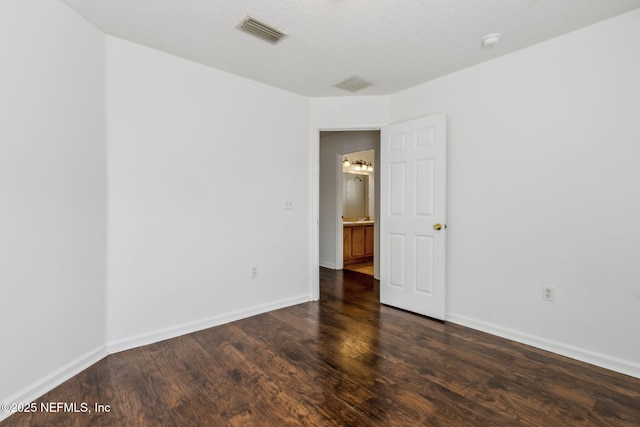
column 358, row 165
column 363, row 166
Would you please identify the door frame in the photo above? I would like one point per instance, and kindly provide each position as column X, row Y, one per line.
column 314, row 203
column 339, row 194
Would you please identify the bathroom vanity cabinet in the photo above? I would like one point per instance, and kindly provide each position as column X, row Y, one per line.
column 357, row 242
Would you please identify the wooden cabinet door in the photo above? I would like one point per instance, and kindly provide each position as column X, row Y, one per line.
column 357, row 241
column 346, row 242
column 368, row 240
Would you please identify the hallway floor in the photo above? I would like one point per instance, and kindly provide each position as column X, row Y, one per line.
column 363, row 267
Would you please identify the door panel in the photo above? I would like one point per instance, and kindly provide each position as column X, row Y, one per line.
column 413, row 189
column 424, row 187
column 397, row 268
column 424, row 264
column 397, row 176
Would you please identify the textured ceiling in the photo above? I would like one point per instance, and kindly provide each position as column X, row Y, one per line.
column 394, row 43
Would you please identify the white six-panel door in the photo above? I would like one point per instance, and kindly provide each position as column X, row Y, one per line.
column 413, row 173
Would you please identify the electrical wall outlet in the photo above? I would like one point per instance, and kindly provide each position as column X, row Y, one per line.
column 288, row 204
column 254, row 271
column 548, row 293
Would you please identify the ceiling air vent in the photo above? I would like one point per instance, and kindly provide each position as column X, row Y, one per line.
column 354, row 84
column 261, row 30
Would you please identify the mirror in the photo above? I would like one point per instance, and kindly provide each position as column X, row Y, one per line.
column 355, row 196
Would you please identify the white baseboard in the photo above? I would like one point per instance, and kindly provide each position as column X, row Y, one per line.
column 187, row 328
column 55, row 378
column 626, row 367
column 325, row 264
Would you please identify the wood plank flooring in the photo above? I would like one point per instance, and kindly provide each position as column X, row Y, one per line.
column 345, row 360
column 361, row 267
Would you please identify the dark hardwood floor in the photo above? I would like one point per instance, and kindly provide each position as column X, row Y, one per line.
column 343, row 361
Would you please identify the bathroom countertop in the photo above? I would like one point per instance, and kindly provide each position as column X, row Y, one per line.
column 352, row 223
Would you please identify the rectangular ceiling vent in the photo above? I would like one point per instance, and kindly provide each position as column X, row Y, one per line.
column 354, row 84
column 261, row 30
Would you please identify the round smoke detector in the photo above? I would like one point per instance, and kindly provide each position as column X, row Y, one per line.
column 491, row 39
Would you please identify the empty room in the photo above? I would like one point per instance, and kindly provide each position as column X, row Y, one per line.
column 323, row 212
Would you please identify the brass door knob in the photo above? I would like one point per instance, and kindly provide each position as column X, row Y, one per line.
column 437, row 226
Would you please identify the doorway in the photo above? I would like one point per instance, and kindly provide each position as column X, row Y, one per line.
column 358, row 211
column 340, row 213
column 414, row 223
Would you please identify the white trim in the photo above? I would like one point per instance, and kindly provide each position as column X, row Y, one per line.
column 330, row 265
column 55, row 378
column 338, row 194
column 336, row 127
column 187, row 328
column 314, row 213
column 598, row 359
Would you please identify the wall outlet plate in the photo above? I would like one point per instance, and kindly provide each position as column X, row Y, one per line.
column 548, row 293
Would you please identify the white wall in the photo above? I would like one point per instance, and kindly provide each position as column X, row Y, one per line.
column 200, row 165
column 349, row 112
column 331, row 147
column 52, row 196
column 544, row 147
